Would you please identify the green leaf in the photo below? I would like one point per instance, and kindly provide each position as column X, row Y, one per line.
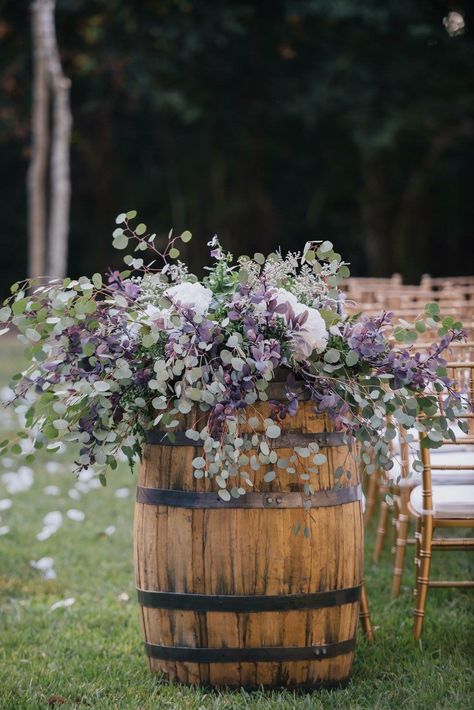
column 319, row 459
column 120, row 242
column 332, row 356
column 140, row 229
column 329, row 317
column 243, row 276
column 352, row 358
column 273, row 431
column 427, row 443
column 101, row 386
column 5, row 314
column 88, row 349
column 132, row 214
column 174, row 253
column 325, row 247
column 186, row 236
column 97, row 280
column 432, row 309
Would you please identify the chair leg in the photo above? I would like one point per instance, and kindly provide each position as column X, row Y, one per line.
column 364, row 615
column 423, row 572
column 381, row 531
column 372, row 492
column 399, row 557
column 401, row 523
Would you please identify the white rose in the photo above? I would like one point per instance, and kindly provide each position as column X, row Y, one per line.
column 313, row 335
column 191, row 295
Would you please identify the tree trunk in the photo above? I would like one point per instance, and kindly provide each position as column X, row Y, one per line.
column 61, row 136
column 48, row 238
column 36, row 182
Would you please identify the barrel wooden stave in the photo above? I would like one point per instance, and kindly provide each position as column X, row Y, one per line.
column 248, row 552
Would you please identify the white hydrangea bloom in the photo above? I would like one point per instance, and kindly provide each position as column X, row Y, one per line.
column 191, row 295
column 313, row 335
column 154, row 315
column 151, row 316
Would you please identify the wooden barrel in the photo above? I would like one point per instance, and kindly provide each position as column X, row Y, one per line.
column 230, row 595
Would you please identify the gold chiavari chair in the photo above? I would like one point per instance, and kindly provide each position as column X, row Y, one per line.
column 435, row 508
column 456, row 298
column 377, row 488
column 447, row 463
column 444, row 499
column 449, row 469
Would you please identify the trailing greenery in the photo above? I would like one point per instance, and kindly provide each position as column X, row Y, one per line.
column 90, row 655
column 113, row 357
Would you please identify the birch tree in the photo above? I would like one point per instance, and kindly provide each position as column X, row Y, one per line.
column 49, row 214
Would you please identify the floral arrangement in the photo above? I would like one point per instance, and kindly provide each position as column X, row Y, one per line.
column 112, row 358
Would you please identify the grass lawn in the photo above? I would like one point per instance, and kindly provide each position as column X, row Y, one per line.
column 90, row 655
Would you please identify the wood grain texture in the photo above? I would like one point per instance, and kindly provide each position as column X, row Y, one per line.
column 248, row 552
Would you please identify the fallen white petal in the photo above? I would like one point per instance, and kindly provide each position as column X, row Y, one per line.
column 46, row 532
column 82, row 486
column 43, row 563
column 86, row 474
column 75, row 495
column 7, row 394
column 54, row 518
column 18, row 481
column 110, row 530
column 52, row 490
column 49, row 574
column 62, row 603
column 74, row 514
column 123, row 597
column 4, row 530
column 53, row 467
column 5, row 503
column 122, row 492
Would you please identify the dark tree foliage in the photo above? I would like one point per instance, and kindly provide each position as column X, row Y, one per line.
column 268, row 122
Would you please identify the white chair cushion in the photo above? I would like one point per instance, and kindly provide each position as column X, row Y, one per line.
column 448, row 501
column 440, row 478
column 459, row 446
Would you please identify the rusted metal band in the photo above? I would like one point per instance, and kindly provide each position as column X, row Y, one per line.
column 191, row 499
column 246, row 603
column 288, row 439
column 249, row 655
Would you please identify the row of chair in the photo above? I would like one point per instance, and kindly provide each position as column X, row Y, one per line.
column 441, row 497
